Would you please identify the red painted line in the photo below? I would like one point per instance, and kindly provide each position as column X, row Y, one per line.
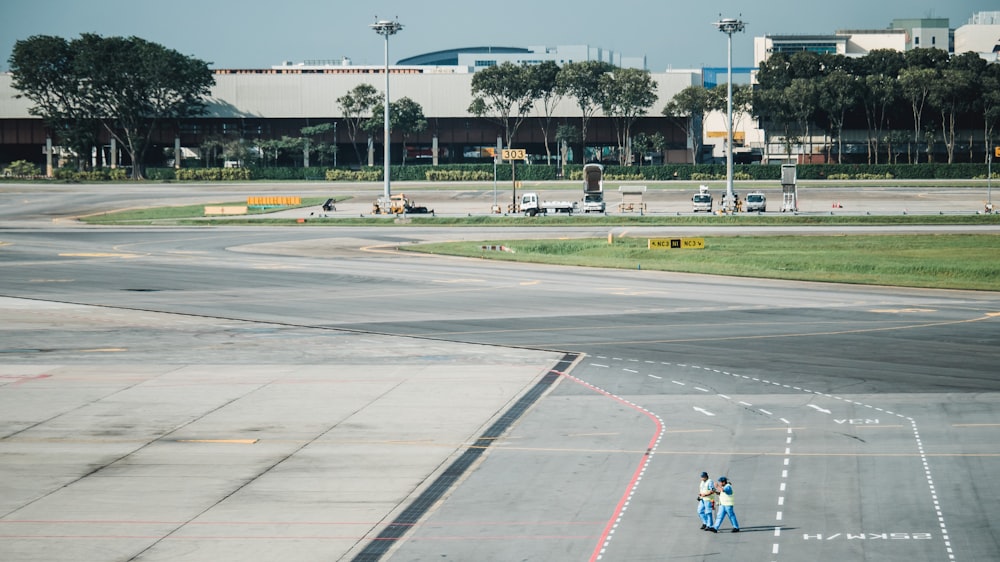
column 599, row 549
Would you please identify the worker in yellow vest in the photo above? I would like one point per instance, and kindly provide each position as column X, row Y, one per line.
column 706, row 501
column 725, row 493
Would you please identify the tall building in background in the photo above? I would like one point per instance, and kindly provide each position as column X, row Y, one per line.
column 980, row 35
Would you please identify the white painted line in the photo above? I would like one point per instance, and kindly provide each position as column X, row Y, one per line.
column 704, row 411
column 818, row 409
column 766, row 412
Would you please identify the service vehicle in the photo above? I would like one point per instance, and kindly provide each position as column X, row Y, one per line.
column 398, row 204
column 702, row 201
column 593, row 188
column 756, row 201
column 531, row 204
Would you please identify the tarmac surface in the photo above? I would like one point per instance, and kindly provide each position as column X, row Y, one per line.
column 247, row 393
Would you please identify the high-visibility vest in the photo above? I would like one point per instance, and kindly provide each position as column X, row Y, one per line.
column 707, row 486
column 726, row 497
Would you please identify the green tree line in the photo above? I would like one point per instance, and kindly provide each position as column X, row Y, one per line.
column 905, row 101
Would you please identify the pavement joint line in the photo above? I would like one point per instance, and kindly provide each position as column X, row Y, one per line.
column 379, row 546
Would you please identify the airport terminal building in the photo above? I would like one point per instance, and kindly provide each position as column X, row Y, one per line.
column 270, row 103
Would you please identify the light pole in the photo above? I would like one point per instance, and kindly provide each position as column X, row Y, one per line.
column 729, row 26
column 386, row 28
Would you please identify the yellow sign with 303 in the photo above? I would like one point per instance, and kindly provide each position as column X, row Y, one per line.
column 676, row 244
column 513, row 153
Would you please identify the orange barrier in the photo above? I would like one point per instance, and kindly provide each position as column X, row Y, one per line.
column 274, row 201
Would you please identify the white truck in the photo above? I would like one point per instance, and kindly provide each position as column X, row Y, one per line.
column 702, row 201
column 531, row 205
column 593, row 188
column 756, row 202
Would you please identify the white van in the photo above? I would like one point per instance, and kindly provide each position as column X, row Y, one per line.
column 756, row 202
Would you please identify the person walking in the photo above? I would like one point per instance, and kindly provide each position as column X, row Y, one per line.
column 706, row 501
column 726, row 503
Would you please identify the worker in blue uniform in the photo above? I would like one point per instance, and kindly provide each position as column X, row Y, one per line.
column 726, row 503
column 706, row 501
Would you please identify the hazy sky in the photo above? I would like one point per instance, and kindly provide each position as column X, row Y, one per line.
column 250, row 34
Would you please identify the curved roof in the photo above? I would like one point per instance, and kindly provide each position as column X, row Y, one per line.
column 449, row 57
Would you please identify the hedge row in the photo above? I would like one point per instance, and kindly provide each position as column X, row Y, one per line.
column 212, row 174
column 535, row 172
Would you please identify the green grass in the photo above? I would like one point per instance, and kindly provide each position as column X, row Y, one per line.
column 952, row 261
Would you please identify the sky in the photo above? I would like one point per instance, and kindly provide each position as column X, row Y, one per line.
column 246, row 34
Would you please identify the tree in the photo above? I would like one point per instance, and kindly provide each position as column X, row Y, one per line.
column 915, row 86
column 582, row 80
column 127, row 85
column 564, row 135
column 990, row 105
column 504, row 94
column 837, row 96
column 645, row 143
column 313, row 136
column 877, row 94
column 357, row 107
column 405, row 117
column 687, row 110
column 628, row 94
column 952, row 95
column 803, row 95
column 542, row 81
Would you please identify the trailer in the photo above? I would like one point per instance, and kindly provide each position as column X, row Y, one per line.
column 632, row 199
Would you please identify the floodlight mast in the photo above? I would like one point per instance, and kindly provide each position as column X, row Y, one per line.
column 729, row 26
column 386, row 28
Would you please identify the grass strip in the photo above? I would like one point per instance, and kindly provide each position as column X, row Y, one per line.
column 947, row 261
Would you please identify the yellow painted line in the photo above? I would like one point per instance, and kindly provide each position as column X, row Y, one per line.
column 975, row 425
column 992, row 314
column 228, row 441
column 527, row 283
column 901, row 310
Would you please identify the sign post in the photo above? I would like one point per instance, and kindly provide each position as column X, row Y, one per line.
column 513, row 154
